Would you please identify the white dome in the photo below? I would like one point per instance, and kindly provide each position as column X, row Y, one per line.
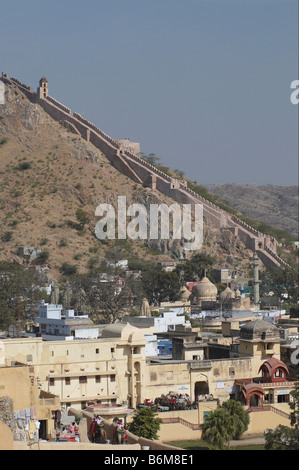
column 206, row 290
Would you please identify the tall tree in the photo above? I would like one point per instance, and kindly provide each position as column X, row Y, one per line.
column 108, row 298
column 226, row 423
column 195, row 266
column 240, row 418
column 281, row 281
column 145, row 424
column 218, row 429
column 19, row 294
column 160, row 286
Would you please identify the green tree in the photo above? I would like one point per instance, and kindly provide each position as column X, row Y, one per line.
column 281, row 281
column 195, row 267
column 285, row 437
column 145, row 424
column 68, row 269
column 282, row 438
column 240, row 418
column 218, row 429
column 151, row 158
column 229, row 421
column 160, row 286
column 294, row 405
column 82, row 217
column 19, row 294
column 106, row 300
column 41, row 258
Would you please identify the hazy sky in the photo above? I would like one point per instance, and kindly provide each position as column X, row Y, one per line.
column 203, row 84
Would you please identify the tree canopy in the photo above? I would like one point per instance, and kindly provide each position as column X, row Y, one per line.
column 280, row 281
column 145, row 424
column 195, row 267
column 19, row 293
column 228, row 422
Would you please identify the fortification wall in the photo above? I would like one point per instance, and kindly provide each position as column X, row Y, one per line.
column 142, row 172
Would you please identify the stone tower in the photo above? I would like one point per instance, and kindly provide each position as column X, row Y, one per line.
column 259, row 340
column 256, row 282
column 42, row 90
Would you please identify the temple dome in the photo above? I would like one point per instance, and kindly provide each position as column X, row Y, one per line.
column 185, row 293
column 259, row 330
column 226, row 294
column 206, row 290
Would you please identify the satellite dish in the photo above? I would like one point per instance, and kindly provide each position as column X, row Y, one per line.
column 12, row 331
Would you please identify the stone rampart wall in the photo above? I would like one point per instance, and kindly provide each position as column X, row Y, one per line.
column 138, row 169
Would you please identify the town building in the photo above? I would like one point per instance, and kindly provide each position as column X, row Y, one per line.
column 30, row 411
column 114, row 368
column 55, row 326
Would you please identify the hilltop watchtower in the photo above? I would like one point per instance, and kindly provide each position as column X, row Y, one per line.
column 42, row 90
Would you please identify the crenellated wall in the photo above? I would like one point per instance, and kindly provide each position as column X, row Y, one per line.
column 146, row 174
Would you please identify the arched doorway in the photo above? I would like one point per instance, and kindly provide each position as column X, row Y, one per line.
column 252, row 395
column 255, row 400
column 201, row 388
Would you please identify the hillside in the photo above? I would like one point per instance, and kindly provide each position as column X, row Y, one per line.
column 274, row 205
column 47, row 174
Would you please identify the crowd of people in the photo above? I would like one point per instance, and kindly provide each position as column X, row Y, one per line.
column 71, row 433
column 97, row 433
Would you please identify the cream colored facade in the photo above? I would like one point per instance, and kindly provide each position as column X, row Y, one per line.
column 18, row 383
column 113, row 369
column 216, row 377
column 109, row 369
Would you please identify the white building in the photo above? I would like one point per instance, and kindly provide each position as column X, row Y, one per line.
column 54, row 326
column 167, row 321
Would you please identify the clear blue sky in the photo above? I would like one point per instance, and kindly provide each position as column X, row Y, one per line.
column 203, row 84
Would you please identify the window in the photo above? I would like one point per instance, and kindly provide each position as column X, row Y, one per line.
column 67, row 381
column 98, row 379
column 216, row 372
column 51, row 381
column 283, row 398
column 83, row 379
column 112, row 378
column 97, row 351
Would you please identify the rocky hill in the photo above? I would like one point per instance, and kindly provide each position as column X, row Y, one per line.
column 274, row 205
column 47, row 173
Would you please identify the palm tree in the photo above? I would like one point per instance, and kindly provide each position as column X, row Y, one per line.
column 218, row 429
column 226, row 423
column 240, row 418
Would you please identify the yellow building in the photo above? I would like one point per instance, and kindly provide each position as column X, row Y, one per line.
column 107, row 370
column 113, row 369
column 32, row 413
